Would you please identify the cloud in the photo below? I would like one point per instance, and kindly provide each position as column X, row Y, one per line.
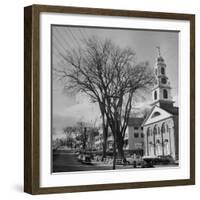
column 59, row 121
column 83, row 111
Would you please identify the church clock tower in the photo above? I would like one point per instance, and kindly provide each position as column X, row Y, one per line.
column 161, row 92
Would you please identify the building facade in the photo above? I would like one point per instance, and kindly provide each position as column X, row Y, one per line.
column 134, row 136
column 133, row 140
column 161, row 124
column 98, row 143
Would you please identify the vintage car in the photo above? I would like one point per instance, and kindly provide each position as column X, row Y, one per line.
column 148, row 161
column 84, row 158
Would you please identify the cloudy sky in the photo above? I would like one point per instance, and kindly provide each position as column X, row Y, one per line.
column 68, row 109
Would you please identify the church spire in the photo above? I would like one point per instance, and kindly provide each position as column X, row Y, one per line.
column 159, row 53
column 161, row 93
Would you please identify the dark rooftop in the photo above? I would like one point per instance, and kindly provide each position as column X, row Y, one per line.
column 135, row 121
column 172, row 110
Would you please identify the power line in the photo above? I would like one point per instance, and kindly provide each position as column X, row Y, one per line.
column 59, row 44
column 56, row 51
column 84, row 31
column 74, row 37
column 69, row 35
column 63, row 42
column 78, row 37
column 64, row 29
column 83, row 36
column 58, row 48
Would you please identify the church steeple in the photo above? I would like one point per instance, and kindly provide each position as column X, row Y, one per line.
column 161, row 92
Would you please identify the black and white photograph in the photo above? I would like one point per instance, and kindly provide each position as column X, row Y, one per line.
column 114, row 98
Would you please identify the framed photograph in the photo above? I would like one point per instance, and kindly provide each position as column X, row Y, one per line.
column 109, row 99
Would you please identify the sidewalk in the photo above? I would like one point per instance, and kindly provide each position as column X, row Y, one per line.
column 102, row 164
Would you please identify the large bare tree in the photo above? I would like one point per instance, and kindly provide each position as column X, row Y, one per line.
column 109, row 76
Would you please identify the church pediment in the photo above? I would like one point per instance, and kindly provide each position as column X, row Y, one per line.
column 156, row 114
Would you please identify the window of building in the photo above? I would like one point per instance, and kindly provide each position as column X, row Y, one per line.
column 158, row 141
column 126, row 142
column 155, row 114
column 167, row 128
column 164, row 80
column 136, row 135
column 155, row 131
column 163, row 128
column 148, row 132
column 158, row 130
column 142, row 135
column 141, row 128
column 136, row 128
column 162, row 70
column 165, row 94
column 155, row 95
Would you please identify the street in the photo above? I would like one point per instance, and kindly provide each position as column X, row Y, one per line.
column 66, row 161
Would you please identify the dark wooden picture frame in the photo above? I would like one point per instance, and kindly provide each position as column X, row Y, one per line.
column 32, row 100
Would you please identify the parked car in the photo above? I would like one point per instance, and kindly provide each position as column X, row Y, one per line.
column 135, row 161
column 148, row 161
column 157, row 160
column 84, row 158
column 120, row 161
column 165, row 160
column 147, row 164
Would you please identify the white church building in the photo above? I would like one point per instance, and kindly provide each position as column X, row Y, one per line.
column 161, row 130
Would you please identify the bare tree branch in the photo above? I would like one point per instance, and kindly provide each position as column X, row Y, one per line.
column 110, row 77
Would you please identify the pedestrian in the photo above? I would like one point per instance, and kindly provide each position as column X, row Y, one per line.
column 134, row 164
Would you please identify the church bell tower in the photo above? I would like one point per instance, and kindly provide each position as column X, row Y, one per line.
column 161, row 92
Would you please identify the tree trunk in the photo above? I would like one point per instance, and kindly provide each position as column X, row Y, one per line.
column 114, row 153
column 104, row 148
column 120, row 144
column 105, row 129
column 105, row 136
column 84, row 138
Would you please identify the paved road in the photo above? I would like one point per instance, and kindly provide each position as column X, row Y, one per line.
column 66, row 161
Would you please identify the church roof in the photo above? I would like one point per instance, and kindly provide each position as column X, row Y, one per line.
column 135, row 121
column 172, row 110
column 148, row 115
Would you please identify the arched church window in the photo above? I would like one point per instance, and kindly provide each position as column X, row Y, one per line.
column 158, row 141
column 155, row 130
column 155, row 114
column 148, row 132
column 164, row 80
column 163, row 128
column 158, row 130
column 165, row 94
column 155, row 95
column 167, row 128
column 163, row 70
